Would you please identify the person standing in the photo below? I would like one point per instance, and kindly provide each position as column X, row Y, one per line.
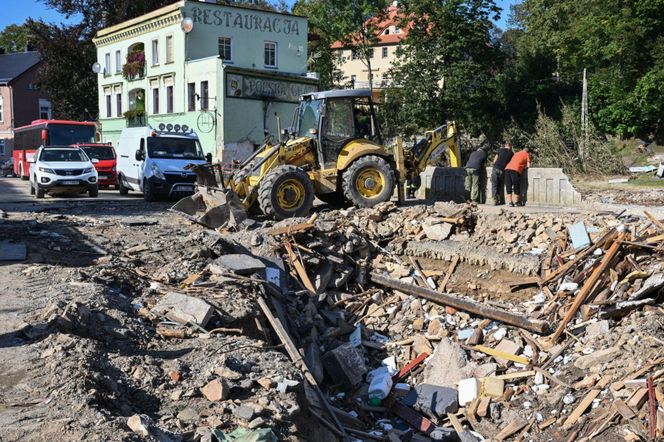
column 476, row 176
column 513, row 172
column 500, row 161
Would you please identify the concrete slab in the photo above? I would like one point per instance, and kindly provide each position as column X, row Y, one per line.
column 184, row 309
column 11, row 251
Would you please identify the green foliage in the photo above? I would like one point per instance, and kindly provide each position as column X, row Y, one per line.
column 447, row 66
column 14, row 38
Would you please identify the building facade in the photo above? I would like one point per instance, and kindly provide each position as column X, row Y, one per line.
column 222, row 70
column 20, row 100
column 389, row 37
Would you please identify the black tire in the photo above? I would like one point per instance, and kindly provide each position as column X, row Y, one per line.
column 94, row 192
column 285, row 182
column 334, row 199
column 123, row 190
column 148, row 192
column 32, row 187
column 116, row 187
column 40, row 192
column 372, row 167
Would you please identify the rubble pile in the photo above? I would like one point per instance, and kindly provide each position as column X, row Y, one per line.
column 400, row 324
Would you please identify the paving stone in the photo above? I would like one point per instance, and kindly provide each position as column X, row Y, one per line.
column 184, row 309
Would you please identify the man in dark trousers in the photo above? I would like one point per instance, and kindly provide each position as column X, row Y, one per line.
column 501, row 160
column 476, row 176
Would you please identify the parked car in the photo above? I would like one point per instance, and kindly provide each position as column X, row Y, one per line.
column 106, row 167
column 7, row 167
column 153, row 161
column 62, row 169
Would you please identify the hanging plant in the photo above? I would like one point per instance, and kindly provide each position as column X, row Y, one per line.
column 134, row 68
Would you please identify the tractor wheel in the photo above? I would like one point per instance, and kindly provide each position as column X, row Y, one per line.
column 368, row 181
column 334, row 199
column 286, row 192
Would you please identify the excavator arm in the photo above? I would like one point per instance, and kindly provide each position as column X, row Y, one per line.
column 433, row 140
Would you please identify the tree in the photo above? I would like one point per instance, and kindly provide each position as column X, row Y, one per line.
column 357, row 24
column 322, row 34
column 14, row 38
column 447, row 66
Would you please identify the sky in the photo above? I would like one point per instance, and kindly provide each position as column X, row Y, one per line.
column 17, row 11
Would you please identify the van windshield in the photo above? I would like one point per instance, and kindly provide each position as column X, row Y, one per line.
column 174, row 148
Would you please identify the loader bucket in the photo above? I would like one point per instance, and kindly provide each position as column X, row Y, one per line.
column 222, row 207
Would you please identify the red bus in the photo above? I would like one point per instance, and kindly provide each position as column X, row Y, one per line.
column 28, row 139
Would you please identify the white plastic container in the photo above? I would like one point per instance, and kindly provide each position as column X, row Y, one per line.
column 380, row 386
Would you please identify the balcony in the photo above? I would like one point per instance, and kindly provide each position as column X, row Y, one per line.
column 136, row 118
column 134, row 68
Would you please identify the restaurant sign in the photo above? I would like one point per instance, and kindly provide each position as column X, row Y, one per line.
column 259, row 88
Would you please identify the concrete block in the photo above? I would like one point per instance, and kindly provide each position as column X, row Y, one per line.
column 541, row 185
column 184, row 309
column 492, row 387
column 597, row 357
column 238, row 263
column 598, row 328
column 345, row 365
column 433, row 400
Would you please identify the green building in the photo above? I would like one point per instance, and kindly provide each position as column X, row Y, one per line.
column 224, row 71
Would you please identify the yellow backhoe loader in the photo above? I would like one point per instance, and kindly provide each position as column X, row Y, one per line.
column 333, row 151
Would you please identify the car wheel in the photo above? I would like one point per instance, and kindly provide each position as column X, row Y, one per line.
column 148, row 192
column 21, row 174
column 40, row 192
column 32, row 187
column 123, row 190
column 94, row 192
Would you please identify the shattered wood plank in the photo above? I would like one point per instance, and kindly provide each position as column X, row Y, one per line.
column 413, row 418
column 455, row 423
column 589, row 285
column 655, row 239
column 412, row 365
column 457, row 302
column 581, row 408
column 523, row 283
column 450, row 271
column 517, row 375
column 299, row 268
column 622, row 408
column 654, row 220
column 637, row 374
column 510, row 429
column 501, row 354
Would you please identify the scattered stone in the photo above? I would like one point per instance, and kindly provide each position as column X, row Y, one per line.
column 139, row 424
column 184, row 309
column 433, row 400
column 597, row 357
column 469, row 390
column 345, row 365
column 244, row 412
column 447, row 365
column 242, row 264
column 215, row 390
column 599, row 328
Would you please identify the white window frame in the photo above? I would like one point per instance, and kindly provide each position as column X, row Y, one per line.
column 108, row 102
column 170, row 55
column 118, row 61
column 118, row 109
column 191, row 98
column 45, row 104
column 276, row 54
column 155, row 92
column 154, row 48
column 2, row 109
column 230, row 48
column 107, row 64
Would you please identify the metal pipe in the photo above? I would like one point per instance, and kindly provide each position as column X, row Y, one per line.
column 462, row 304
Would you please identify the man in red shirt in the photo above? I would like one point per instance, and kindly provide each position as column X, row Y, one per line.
column 513, row 171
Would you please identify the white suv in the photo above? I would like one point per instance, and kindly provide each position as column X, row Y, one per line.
column 64, row 170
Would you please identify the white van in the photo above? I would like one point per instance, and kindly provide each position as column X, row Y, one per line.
column 153, row 161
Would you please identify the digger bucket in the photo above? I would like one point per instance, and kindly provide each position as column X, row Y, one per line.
column 222, row 207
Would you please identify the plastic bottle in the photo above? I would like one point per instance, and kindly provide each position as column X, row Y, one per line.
column 380, row 386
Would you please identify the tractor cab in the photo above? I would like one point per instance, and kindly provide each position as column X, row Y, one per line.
column 335, row 118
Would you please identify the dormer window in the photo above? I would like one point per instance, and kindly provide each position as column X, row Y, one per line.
column 386, row 31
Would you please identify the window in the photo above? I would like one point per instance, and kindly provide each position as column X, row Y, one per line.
column 118, row 103
column 270, row 54
column 386, row 32
column 397, row 30
column 107, row 64
column 155, row 100
column 107, row 95
column 353, row 54
column 44, row 109
column 385, row 52
column 118, row 62
column 169, row 49
column 225, row 49
column 353, row 78
column 371, row 52
column 204, row 95
column 2, row 147
column 169, row 99
column 191, row 97
column 155, row 52
column 2, row 108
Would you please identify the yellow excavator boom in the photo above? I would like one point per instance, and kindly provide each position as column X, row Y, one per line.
column 446, row 134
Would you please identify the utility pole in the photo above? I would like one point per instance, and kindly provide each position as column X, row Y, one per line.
column 584, row 116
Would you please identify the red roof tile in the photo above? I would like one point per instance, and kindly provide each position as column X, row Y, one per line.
column 390, row 20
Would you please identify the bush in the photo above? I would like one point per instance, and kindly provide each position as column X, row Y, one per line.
column 556, row 144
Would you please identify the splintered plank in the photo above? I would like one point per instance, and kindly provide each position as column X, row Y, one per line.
column 581, row 408
column 450, row 270
column 299, row 268
column 501, row 354
column 510, row 429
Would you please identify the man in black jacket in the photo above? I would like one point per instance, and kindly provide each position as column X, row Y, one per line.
column 476, row 176
column 501, row 160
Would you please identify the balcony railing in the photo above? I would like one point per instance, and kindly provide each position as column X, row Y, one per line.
column 137, row 121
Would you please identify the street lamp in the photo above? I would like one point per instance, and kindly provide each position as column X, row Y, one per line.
column 187, row 25
column 96, row 67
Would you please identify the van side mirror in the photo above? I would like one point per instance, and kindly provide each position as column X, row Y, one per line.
column 208, row 157
column 140, row 156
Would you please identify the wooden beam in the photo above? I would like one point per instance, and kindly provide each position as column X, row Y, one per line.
column 299, row 268
column 589, row 285
column 501, row 354
column 654, row 220
column 581, row 408
column 450, row 270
